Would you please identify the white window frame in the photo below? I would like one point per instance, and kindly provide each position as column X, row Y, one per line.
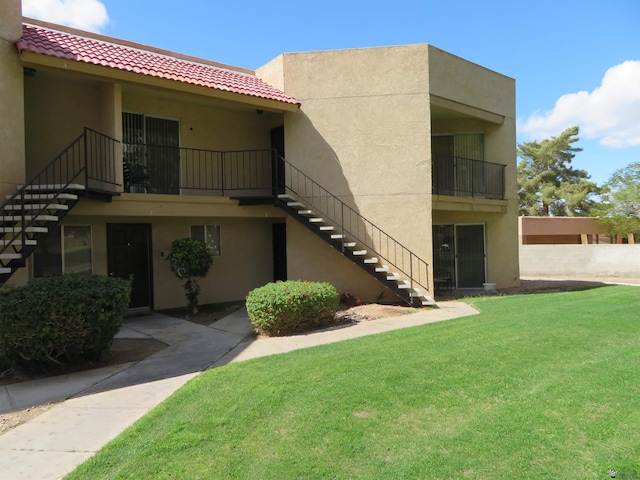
column 216, row 250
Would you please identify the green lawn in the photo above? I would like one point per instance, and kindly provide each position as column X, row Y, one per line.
column 536, row 386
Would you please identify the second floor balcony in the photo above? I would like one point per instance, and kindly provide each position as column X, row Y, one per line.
column 464, row 177
column 169, row 170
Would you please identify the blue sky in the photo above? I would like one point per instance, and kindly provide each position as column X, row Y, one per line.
column 575, row 62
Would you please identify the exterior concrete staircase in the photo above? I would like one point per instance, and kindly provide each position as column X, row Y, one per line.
column 390, row 274
column 84, row 168
column 28, row 217
column 356, row 238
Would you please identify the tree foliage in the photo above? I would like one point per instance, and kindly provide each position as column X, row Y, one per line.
column 548, row 184
column 619, row 208
column 190, row 259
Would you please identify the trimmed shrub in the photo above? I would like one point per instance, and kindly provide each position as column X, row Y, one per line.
column 283, row 308
column 190, row 259
column 59, row 321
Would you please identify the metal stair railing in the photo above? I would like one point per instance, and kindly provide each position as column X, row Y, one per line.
column 353, row 225
column 88, row 161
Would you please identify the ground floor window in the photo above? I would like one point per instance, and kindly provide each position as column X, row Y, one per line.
column 209, row 235
column 459, row 255
column 67, row 249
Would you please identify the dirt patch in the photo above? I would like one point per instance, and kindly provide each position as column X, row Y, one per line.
column 9, row 421
column 372, row 311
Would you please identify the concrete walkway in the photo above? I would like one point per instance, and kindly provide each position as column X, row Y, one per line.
column 97, row 405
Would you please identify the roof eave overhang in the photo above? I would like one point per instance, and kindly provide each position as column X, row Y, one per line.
column 34, row 60
column 466, row 110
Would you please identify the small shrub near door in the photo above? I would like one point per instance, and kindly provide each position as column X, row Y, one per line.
column 294, row 306
column 54, row 322
column 190, row 260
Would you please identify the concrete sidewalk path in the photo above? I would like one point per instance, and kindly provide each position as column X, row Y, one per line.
column 96, row 406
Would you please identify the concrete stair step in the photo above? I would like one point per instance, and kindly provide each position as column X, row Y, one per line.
column 38, row 218
column 37, row 206
column 45, row 196
column 10, row 256
column 27, row 229
column 18, row 243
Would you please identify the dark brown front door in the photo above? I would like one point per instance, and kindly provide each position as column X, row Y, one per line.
column 279, row 251
column 129, row 256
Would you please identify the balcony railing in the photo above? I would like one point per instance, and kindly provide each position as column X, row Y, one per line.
column 190, row 171
column 464, row 177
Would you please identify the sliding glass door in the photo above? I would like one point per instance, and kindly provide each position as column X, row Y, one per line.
column 459, row 254
column 151, row 149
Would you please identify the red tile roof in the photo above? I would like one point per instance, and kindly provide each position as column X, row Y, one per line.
column 137, row 59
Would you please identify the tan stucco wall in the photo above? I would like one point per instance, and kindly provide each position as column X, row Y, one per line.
column 150, row 205
column 363, row 133
column 56, row 113
column 11, row 99
column 483, row 101
column 246, row 261
column 246, row 237
column 467, row 83
column 501, row 264
column 58, row 107
column 204, row 125
column 321, row 263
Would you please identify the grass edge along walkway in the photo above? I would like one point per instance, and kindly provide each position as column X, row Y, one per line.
column 536, row 386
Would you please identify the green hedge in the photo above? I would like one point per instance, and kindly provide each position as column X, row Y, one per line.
column 58, row 321
column 283, row 308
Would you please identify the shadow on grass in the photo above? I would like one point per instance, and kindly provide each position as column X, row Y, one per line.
column 526, row 287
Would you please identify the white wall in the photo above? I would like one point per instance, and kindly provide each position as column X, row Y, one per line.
column 580, row 260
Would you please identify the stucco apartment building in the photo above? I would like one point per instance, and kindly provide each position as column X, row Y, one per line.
column 389, row 172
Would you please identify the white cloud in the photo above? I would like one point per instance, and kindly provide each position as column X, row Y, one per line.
column 83, row 14
column 610, row 114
